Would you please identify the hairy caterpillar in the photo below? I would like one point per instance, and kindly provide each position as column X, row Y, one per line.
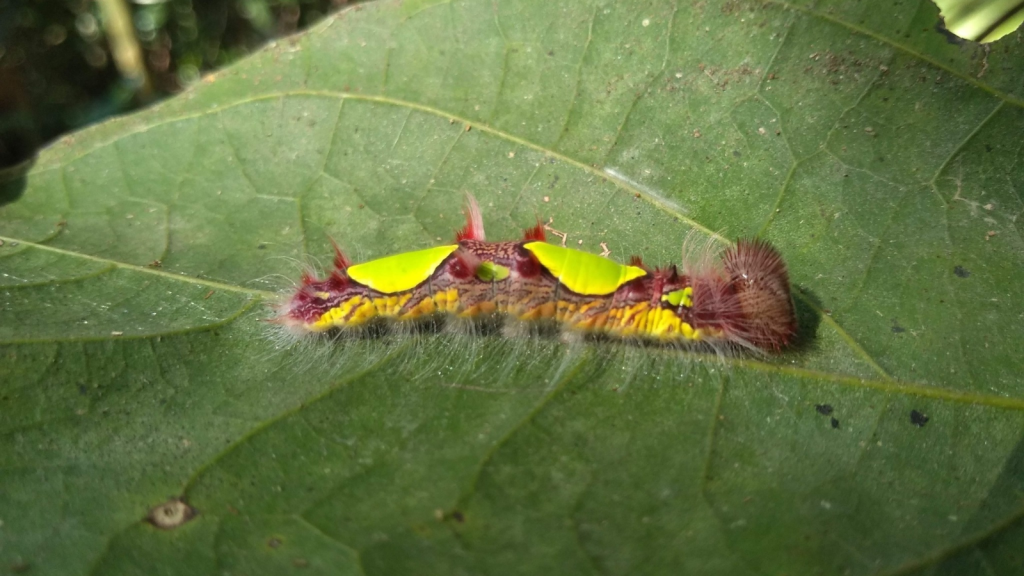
column 742, row 298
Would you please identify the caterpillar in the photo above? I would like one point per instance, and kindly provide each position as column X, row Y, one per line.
column 741, row 298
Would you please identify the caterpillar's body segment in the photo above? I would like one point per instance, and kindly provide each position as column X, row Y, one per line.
column 743, row 299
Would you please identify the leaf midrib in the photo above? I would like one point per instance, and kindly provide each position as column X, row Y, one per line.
column 1004, row 96
column 886, row 382
column 886, row 385
column 144, row 269
column 608, row 176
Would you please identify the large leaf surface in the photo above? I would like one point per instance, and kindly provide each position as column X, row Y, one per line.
column 139, row 257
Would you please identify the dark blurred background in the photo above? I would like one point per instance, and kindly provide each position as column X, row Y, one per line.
column 67, row 63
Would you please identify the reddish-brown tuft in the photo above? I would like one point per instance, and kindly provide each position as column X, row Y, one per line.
column 758, row 278
column 341, row 262
column 535, row 234
column 336, row 281
column 672, row 273
column 474, row 228
column 636, row 261
column 663, row 281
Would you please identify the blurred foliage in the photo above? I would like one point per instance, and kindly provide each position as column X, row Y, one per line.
column 57, row 72
column 982, row 20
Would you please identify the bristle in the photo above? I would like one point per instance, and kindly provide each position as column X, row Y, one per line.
column 701, row 254
column 668, row 273
column 756, row 258
column 337, row 280
column 341, row 262
column 636, row 261
column 761, row 284
column 474, row 228
column 535, row 234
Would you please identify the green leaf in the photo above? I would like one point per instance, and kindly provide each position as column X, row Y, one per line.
column 139, row 258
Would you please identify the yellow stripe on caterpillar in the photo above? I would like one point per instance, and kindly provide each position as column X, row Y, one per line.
column 336, row 316
column 425, row 307
column 447, row 300
column 365, row 312
column 391, row 306
column 543, row 311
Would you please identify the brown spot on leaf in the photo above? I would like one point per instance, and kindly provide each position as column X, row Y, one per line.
column 170, row 514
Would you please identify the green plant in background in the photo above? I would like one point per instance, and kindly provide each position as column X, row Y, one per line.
column 153, row 424
column 982, row 20
column 58, row 71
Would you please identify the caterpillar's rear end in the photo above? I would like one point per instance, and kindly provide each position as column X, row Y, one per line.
column 747, row 301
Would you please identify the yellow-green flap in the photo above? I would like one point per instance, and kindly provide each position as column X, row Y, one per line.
column 490, row 272
column 400, row 272
column 582, row 272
